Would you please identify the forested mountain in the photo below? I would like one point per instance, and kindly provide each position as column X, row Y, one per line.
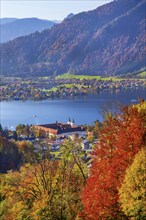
column 109, row 40
column 12, row 28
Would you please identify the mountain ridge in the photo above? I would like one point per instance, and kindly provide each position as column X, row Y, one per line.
column 106, row 41
column 14, row 28
column 7, row 20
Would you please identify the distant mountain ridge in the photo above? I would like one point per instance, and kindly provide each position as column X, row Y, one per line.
column 7, row 20
column 109, row 40
column 13, row 27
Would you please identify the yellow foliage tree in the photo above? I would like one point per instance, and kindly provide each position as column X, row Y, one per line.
column 132, row 192
column 27, row 151
column 47, row 189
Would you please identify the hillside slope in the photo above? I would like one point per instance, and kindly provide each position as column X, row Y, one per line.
column 109, row 40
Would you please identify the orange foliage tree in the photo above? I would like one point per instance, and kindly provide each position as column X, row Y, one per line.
column 121, row 137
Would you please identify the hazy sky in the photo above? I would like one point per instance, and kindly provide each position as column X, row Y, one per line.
column 47, row 9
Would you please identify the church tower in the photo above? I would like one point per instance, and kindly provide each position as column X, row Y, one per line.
column 69, row 122
column 72, row 122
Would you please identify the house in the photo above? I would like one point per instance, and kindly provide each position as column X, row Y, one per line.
column 59, row 129
column 86, row 145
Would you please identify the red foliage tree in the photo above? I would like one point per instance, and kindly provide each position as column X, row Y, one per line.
column 121, row 137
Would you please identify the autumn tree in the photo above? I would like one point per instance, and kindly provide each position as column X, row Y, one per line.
column 29, row 193
column 3, row 201
column 132, row 191
column 22, row 129
column 72, row 173
column 40, row 133
column 93, row 131
column 48, row 189
column 120, row 138
column 10, row 158
column 26, row 150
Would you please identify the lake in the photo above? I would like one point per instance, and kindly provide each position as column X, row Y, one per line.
column 84, row 110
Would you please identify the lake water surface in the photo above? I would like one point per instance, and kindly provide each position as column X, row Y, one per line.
column 84, row 110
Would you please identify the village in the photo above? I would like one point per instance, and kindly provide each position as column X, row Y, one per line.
column 42, row 88
column 73, row 110
column 51, row 137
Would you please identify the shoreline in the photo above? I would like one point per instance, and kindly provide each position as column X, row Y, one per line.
column 73, row 96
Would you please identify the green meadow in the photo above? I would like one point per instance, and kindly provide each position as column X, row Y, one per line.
column 143, row 74
column 54, row 89
column 82, row 77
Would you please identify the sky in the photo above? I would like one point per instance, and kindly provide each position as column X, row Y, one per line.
column 46, row 9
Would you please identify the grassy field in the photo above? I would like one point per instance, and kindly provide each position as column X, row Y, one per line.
column 81, row 77
column 143, row 74
column 54, row 89
column 70, row 85
column 72, row 76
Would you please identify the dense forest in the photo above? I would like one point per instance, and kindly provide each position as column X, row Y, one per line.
column 109, row 186
column 109, row 40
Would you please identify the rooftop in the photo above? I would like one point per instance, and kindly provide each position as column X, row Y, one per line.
column 61, row 128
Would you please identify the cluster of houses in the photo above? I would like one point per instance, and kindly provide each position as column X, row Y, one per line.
column 54, row 137
column 61, row 131
column 42, row 88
